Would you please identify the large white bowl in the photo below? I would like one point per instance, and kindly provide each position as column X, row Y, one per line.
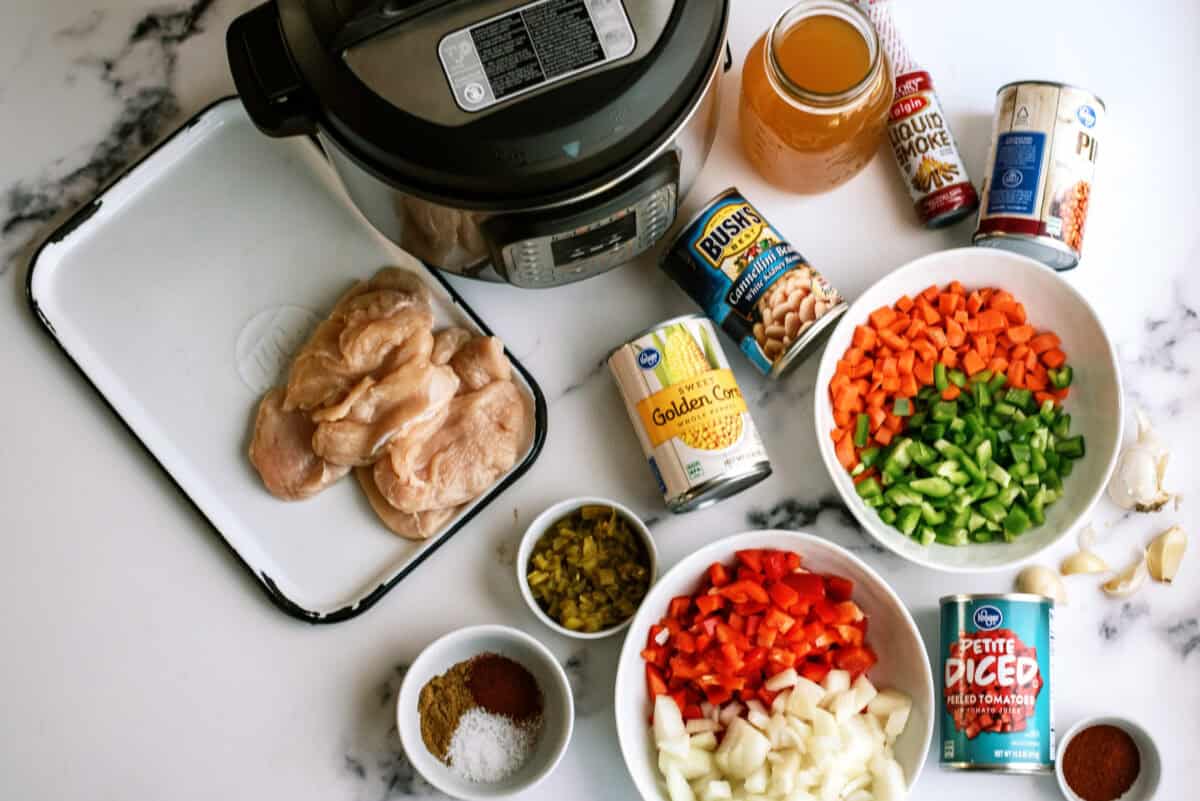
column 1095, row 403
column 558, row 708
column 903, row 664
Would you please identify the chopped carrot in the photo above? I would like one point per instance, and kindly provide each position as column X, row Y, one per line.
column 864, row 475
column 1020, row 334
column 949, row 357
column 1019, row 352
column 1016, row 374
column 1044, row 341
column 908, row 386
column 838, row 433
column 864, row 337
column 883, row 436
column 974, row 302
column 905, row 304
column 1016, row 314
column 1054, row 358
column 906, row 361
column 947, row 303
column 926, row 351
column 1042, row 397
column 890, row 367
column 931, row 293
column 862, row 369
column 938, row 337
column 845, row 452
column 972, row 362
column 924, row 371
column 876, row 415
column 951, row 392
column 891, row 383
column 876, row 399
column 998, row 365
column 992, row 320
column 899, row 325
column 955, row 335
column 842, row 418
column 892, row 341
column 928, row 313
column 881, row 317
column 1034, row 381
column 957, row 288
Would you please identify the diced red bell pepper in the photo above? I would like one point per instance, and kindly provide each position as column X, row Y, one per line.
column 718, row 696
column 692, row 712
column 792, row 560
column 810, row 586
column 766, row 637
column 709, row 603
column 856, row 660
column 752, row 624
column 783, row 595
column 652, row 637
column 656, row 685
column 718, row 576
column 814, row 671
column 655, row 655
column 847, row 612
column 750, row 608
column 743, row 591
column 767, row 696
column 753, row 660
column 751, row 558
column 679, row 606
column 825, row 612
column 685, row 642
column 680, row 698
column 782, row 657
column 839, row 588
column 777, row 619
column 849, row 634
column 774, row 565
column 753, row 576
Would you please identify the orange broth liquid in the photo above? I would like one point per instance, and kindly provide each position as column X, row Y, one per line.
column 811, row 144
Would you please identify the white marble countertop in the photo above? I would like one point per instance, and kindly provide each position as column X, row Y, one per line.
column 139, row 660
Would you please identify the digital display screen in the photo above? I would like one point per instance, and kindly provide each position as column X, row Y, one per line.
column 601, row 239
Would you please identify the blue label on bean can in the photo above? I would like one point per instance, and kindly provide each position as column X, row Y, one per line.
column 996, row 659
column 752, row 282
column 1016, row 173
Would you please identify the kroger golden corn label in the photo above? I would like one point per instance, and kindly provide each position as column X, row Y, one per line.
column 703, row 411
column 689, row 413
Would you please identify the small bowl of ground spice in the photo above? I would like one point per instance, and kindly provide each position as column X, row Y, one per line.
column 585, row 565
column 1108, row 759
column 485, row 712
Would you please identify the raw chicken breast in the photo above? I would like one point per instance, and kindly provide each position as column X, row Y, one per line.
column 418, row 526
column 281, row 451
column 447, row 342
column 375, row 327
column 412, row 402
column 480, row 362
column 480, row 440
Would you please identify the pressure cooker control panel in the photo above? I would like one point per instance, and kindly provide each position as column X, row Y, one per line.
column 588, row 237
column 531, row 46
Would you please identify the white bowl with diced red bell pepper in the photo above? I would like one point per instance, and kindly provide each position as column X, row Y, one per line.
column 978, row 509
column 840, row 705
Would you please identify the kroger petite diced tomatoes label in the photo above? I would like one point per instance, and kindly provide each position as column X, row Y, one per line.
column 996, row 656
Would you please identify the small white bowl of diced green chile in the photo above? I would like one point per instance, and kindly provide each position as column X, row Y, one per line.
column 964, row 450
column 584, row 565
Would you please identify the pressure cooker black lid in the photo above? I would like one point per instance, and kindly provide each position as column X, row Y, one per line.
column 489, row 102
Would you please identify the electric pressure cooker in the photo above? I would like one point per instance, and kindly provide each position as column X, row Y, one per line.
column 537, row 143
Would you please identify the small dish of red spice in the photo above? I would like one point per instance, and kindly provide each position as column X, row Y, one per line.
column 1108, row 759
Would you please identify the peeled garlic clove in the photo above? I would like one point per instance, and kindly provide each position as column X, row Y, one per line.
column 1128, row 581
column 1165, row 553
column 1083, row 562
column 1040, row 580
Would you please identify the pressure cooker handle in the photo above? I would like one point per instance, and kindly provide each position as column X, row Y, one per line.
column 270, row 86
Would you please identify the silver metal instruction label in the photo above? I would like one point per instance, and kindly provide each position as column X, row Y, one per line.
column 531, row 46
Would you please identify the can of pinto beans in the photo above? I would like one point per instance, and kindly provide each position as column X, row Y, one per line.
column 749, row 279
column 1038, row 184
column 997, row 656
column 688, row 412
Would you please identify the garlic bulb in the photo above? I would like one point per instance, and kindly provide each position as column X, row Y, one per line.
column 1129, row 580
column 1138, row 479
column 1040, row 580
column 1165, row 553
column 1083, row 562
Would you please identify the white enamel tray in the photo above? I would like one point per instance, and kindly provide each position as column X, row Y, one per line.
column 180, row 293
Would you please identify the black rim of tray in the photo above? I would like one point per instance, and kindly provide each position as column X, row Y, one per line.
column 262, row 579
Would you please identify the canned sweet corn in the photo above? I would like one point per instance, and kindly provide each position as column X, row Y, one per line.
column 689, row 414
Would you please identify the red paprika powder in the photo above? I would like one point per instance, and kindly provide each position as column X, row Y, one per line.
column 1101, row 763
column 504, row 687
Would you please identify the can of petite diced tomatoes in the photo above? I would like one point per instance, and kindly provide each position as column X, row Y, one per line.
column 750, row 280
column 997, row 656
column 688, row 412
column 1039, row 179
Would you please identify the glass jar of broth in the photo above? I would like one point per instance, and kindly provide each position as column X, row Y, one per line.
column 816, row 89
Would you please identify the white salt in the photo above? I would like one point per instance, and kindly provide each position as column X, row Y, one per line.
column 489, row 748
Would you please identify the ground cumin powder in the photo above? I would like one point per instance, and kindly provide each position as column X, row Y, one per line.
column 444, row 699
